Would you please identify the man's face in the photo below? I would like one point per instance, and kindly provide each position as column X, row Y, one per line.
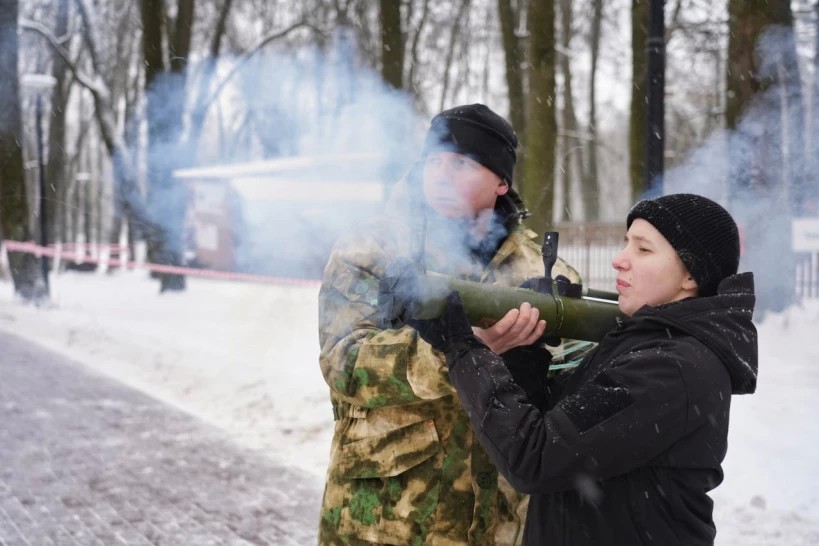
column 649, row 271
column 458, row 187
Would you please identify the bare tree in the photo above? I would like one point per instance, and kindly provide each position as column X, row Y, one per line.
column 126, row 86
column 639, row 105
column 696, row 35
column 508, row 10
column 56, row 163
column 165, row 96
column 541, row 128
column 573, row 146
column 450, row 53
column 591, row 183
column 127, row 188
column 811, row 197
column 203, row 100
column 412, row 83
column 14, row 205
column 392, row 43
column 764, row 109
column 763, row 80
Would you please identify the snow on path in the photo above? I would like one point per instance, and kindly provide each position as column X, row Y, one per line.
column 245, row 358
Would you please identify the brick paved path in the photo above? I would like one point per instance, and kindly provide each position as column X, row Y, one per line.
column 87, row 461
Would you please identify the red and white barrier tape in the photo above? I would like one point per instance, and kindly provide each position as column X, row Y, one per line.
column 37, row 250
column 100, row 246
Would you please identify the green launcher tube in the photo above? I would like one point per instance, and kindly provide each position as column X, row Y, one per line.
column 566, row 317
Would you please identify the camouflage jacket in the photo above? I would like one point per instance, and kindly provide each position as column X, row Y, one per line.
column 405, row 467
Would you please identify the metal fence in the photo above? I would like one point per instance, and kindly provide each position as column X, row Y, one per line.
column 806, row 282
column 589, row 248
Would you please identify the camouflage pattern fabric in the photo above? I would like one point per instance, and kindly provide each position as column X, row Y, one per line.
column 405, row 467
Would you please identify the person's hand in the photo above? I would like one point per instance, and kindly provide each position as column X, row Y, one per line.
column 449, row 328
column 517, row 328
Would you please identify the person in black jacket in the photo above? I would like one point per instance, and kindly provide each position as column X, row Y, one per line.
column 629, row 449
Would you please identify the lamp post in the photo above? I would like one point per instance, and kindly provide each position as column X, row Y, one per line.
column 40, row 84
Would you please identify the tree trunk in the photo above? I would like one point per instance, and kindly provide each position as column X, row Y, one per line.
column 56, row 176
column 765, row 110
column 639, row 89
column 201, row 105
column 79, row 211
column 119, row 220
column 88, row 203
column 746, row 20
column 811, row 198
column 73, row 170
column 157, row 171
column 165, row 97
column 541, row 129
column 514, row 73
column 419, row 29
column 125, row 177
column 572, row 148
column 393, row 49
column 14, row 207
column 392, row 44
column 450, row 54
column 152, row 40
column 180, row 45
column 591, row 182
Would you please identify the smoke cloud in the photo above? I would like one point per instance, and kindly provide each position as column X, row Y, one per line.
column 762, row 171
column 316, row 140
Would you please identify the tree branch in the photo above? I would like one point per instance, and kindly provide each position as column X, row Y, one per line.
column 248, row 55
column 82, row 78
column 90, row 34
column 104, row 112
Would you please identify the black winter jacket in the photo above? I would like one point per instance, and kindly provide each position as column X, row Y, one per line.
column 627, row 454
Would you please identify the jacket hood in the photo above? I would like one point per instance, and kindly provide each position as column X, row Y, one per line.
column 723, row 323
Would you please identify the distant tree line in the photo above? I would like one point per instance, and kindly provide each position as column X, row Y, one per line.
column 139, row 90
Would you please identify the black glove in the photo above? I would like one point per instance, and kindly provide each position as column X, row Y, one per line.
column 529, row 366
column 448, row 331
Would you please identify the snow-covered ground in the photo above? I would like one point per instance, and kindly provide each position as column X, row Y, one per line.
column 245, row 357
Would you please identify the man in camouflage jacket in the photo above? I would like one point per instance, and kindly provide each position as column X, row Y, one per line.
column 405, row 467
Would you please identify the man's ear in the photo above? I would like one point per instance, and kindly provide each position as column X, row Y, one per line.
column 503, row 188
column 690, row 284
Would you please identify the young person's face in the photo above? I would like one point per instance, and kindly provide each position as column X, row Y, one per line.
column 649, row 271
column 459, row 187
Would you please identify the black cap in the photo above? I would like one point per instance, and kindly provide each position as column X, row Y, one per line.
column 476, row 132
column 702, row 232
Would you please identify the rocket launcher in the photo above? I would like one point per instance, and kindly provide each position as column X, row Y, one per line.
column 569, row 310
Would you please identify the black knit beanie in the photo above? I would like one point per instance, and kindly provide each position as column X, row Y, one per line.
column 701, row 231
column 476, row 132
